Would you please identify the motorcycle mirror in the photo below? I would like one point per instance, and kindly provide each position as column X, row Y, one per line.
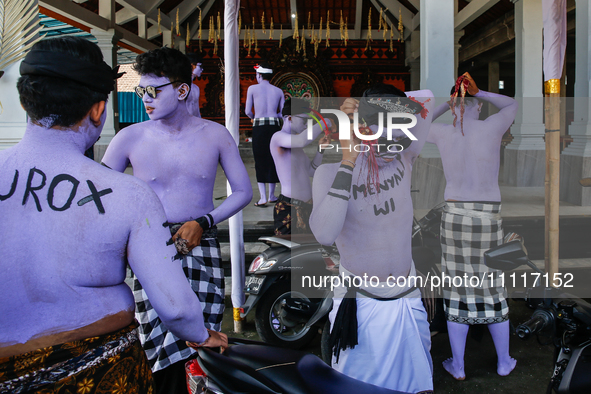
column 506, row 257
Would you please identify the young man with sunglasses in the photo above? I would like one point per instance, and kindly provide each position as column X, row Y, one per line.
column 70, row 228
column 294, row 168
column 379, row 328
column 178, row 154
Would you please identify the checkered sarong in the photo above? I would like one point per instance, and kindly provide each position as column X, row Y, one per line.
column 468, row 229
column 203, row 268
column 267, row 122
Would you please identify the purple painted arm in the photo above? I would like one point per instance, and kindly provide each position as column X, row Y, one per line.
column 249, row 103
column 162, row 278
column 300, row 140
column 237, row 177
column 507, row 109
column 117, row 154
column 421, row 130
column 330, row 209
column 440, row 110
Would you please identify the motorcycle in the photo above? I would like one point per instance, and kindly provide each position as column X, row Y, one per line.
column 291, row 318
column 566, row 319
column 251, row 367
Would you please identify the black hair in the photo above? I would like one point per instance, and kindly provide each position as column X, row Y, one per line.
column 295, row 106
column 59, row 101
column 370, row 107
column 383, row 90
column 266, row 77
column 165, row 62
column 195, row 58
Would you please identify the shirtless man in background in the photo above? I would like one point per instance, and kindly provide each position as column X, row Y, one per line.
column 267, row 101
column 178, row 155
column 292, row 210
column 471, row 222
column 70, row 227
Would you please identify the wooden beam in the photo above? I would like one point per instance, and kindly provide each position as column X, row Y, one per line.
column 472, row 11
column 76, row 13
column 136, row 6
column 493, row 35
column 61, row 18
column 358, row 13
column 125, row 15
column 73, row 13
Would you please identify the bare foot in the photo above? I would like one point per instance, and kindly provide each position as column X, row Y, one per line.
column 455, row 371
column 505, row 368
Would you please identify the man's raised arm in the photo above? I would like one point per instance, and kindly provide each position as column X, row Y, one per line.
column 237, row 177
column 117, row 154
column 424, row 119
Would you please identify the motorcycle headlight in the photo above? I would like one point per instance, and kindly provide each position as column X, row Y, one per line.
column 261, row 264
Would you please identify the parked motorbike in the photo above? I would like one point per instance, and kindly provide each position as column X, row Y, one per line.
column 289, row 318
column 251, row 367
column 564, row 318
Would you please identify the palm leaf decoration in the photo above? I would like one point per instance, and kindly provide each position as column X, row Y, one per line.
column 19, row 30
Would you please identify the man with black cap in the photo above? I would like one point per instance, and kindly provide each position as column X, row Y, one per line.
column 294, row 168
column 267, row 101
column 70, row 228
column 379, row 328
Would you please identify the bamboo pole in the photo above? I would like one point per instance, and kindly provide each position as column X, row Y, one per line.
column 552, row 178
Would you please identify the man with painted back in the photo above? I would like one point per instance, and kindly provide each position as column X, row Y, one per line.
column 363, row 204
column 178, row 154
column 267, row 101
column 65, row 306
column 471, row 222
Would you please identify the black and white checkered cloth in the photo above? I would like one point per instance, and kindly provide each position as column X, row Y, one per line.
column 203, row 269
column 468, row 229
column 267, row 122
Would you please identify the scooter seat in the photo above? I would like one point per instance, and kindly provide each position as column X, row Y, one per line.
column 298, row 372
column 277, row 364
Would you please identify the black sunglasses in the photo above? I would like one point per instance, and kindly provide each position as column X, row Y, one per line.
column 151, row 90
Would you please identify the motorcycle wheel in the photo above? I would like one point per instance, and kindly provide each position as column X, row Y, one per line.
column 271, row 324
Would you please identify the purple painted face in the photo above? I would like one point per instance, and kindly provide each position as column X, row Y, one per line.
column 197, row 70
column 167, row 97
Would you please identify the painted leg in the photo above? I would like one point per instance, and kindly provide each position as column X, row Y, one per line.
column 262, row 192
column 457, row 339
column 500, row 336
column 271, row 198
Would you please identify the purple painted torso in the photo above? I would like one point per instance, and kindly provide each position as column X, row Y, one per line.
column 471, row 161
column 266, row 99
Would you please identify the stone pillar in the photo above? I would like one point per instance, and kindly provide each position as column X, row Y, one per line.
column 13, row 118
column 107, row 42
column 437, row 43
column 524, row 163
column 437, row 73
column 575, row 161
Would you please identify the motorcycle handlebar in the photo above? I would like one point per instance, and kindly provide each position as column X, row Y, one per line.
column 539, row 321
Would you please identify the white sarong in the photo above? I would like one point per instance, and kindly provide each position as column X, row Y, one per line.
column 394, row 340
